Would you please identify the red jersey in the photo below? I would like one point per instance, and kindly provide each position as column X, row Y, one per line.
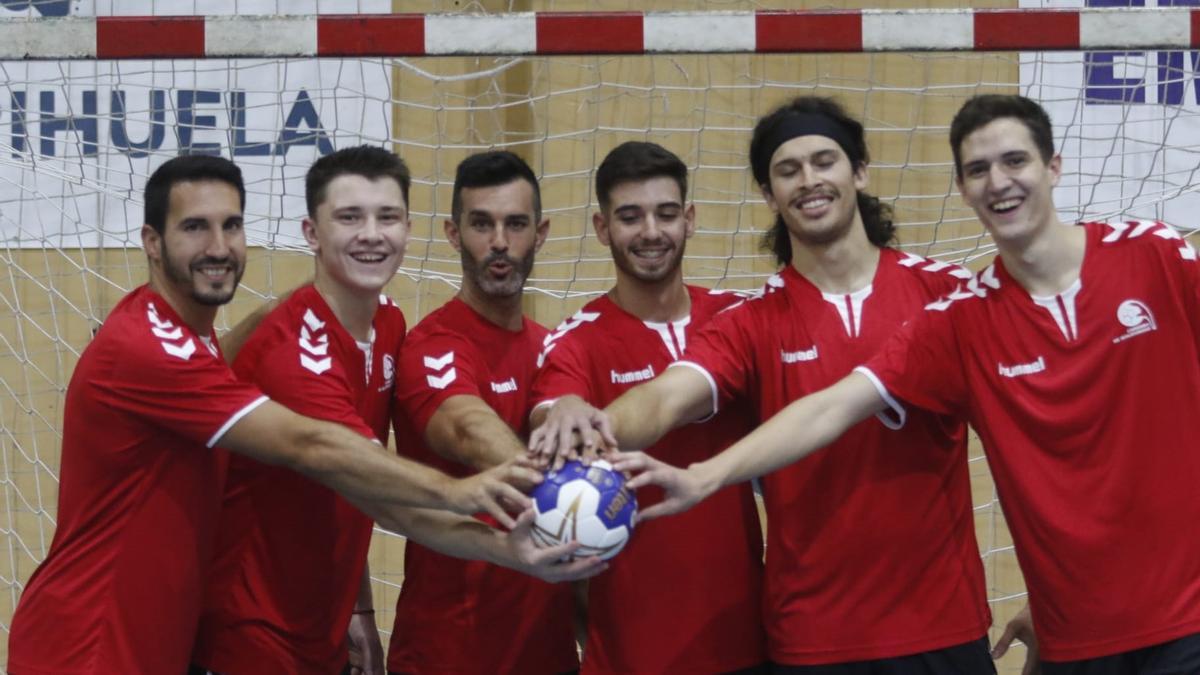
column 1081, row 400
column 120, row 590
column 458, row 616
column 697, row 577
column 871, row 548
column 291, row 552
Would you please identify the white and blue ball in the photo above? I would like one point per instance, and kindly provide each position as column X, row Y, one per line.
column 588, row 504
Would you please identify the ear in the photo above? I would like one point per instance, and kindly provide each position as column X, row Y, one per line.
column 689, row 221
column 309, row 227
column 452, row 234
column 152, row 243
column 861, row 177
column 1055, row 167
column 600, row 225
column 543, row 230
column 769, row 198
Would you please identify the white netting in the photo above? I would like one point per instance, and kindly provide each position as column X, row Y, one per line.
column 77, row 140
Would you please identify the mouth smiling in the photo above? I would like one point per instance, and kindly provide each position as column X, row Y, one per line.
column 1005, row 205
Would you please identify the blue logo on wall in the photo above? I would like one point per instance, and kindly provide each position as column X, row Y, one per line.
column 1109, row 83
column 43, row 7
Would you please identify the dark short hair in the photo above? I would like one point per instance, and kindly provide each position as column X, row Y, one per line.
column 488, row 169
column 636, row 161
column 185, row 169
column 983, row 109
column 876, row 216
column 369, row 161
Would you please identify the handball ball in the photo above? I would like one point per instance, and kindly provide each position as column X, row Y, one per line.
column 588, row 504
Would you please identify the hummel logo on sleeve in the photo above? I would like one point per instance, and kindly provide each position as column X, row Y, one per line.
column 506, row 387
column 168, row 335
column 1021, row 369
column 438, row 364
column 314, row 345
column 632, row 376
column 809, row 354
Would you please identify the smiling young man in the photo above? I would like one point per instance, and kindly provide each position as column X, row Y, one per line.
column 120, row 589
column 462, row 400
column 871, row 563
column 290, row 573
column 1074, row 355
column 690, row 617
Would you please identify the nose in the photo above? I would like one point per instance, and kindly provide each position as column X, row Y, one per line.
column 998, row 178
column 809, row 177
column 370, row 230
column 651, row 227
column 500, row 238
column 219, row 244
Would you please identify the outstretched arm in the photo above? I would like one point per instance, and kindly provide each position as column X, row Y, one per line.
column 799, row 429
column 467, row 430
column 471, row 539
column 637, row 419
column 374, row 479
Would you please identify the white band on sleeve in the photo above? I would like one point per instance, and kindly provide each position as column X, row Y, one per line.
column 712, row 383
column 893, row 405
column 233, row 419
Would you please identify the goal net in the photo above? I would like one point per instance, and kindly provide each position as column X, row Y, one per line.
column 78, row 137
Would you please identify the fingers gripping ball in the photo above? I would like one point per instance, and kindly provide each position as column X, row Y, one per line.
column 588, row 504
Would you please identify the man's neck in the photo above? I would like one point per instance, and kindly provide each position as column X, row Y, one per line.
column 505, row 312
column 843, row 266
column 197, row 316
column 661, row 301
column 1047, row 263
column 355, row 310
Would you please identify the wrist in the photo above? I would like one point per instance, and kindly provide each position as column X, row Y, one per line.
column 708, row 477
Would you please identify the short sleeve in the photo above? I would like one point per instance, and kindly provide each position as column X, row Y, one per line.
column 723, row 351
column 188, row 391
column 563, row 372
column 433, row 367
column 921, row 364
column 317, row 389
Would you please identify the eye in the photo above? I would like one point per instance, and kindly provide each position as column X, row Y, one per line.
column 234, row 225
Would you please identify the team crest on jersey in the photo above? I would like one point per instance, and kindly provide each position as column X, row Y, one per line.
column 1136, row 317
column 442, row 371
column 389, row 371
column 314, row 344
column 169, row 335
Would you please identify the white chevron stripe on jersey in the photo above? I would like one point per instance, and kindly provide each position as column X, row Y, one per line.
column 443, row 381
column 314, row 345
column 165, row 330
column 312, row 321
column 437, row 363
column 1135, row 228
column 928, row 265
column 569, row 324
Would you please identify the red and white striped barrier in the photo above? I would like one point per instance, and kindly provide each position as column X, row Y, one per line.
column 582, row 33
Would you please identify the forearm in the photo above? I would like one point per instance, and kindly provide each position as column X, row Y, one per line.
column 646, row 413
column 469, row 432
column 365, row 601
column 449, row 534
column 366, row 473
column 801, row 428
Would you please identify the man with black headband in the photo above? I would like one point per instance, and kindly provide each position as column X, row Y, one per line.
column 872, row 564
column 1075, row 355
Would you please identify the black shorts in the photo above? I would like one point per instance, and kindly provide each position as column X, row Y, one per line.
column 1177, row 657
column 968, row 658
